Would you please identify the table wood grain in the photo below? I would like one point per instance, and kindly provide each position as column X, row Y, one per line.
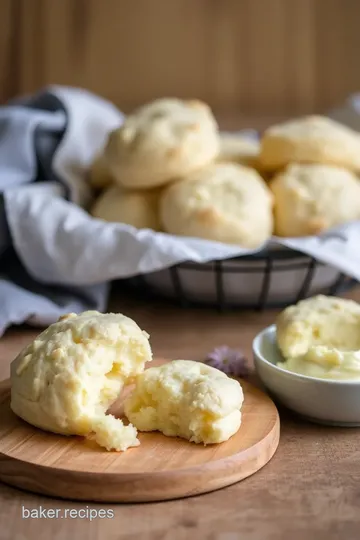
column 310, row 489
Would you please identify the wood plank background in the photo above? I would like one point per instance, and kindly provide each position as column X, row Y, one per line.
column 266, row 57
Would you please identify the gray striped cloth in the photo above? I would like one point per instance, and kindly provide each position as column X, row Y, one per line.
column 46, row 143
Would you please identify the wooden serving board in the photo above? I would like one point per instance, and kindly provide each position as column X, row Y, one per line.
column 161, row 468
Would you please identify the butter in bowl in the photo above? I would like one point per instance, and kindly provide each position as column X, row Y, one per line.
column 309, row 360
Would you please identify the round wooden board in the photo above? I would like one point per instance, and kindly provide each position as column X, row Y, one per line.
column 161, row 468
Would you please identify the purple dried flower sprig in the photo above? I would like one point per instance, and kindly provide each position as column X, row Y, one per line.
column 230, row 361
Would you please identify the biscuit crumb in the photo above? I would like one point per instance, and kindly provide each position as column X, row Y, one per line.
column 112, row 434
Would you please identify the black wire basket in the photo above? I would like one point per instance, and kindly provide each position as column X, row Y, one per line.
column 270, row 279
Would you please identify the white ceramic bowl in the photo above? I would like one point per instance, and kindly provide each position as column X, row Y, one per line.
column 319, row 400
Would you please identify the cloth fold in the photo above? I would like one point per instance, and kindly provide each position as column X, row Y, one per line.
column 47, row 141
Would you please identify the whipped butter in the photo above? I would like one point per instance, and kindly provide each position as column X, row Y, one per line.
column 325, row 363
column 320, row 337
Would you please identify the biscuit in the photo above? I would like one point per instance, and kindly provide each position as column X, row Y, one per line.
column 65, row 380
column 239, row 149
column 313, row 139
column 318, row 321
column 186, row 399
column 99, row 174
column 136, row 208
column 163, row 140
column 309, row 199
column 225, row 202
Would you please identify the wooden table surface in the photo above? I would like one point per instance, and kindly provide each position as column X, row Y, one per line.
column 310, row 489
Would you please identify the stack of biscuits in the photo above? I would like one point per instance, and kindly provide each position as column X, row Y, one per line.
column 167, row 168
column 314, row 162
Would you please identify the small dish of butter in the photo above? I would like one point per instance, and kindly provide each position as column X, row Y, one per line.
column 309, row 360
